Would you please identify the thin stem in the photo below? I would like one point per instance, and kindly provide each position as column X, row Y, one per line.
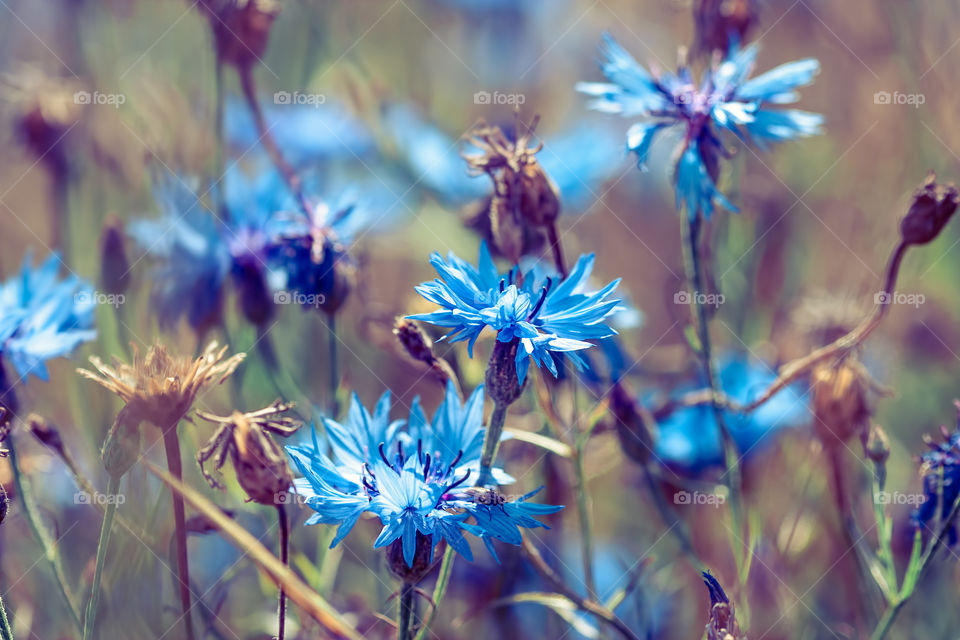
column 333, row 356
column 405, row 614
column 223, row 212
column 171, row 444
column 439, row 590
column 49, row 547
column 886, row 621
column 89, row 622
column 583, row 510
column 284, row 558
column 731, row 458
column 491, row 443
column 6, row 632
column 557, row 246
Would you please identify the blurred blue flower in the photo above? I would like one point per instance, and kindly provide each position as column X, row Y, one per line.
column 411, row 475
column 690, row 440
column 943, row 457
column 726, row 100
column 43, row 316
column 544, row 314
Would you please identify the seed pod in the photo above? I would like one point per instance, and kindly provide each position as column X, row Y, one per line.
column 261, row 468
column 121, row 449
column 415, row 342
column 932, row 207
column 502, row 383
column 839, row 400
column 876, row 445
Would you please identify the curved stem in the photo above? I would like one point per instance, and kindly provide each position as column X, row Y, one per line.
column 89, row 622
column 284, row 558
column 405, row 614
column 42, row 536
column 439, row 590
column 491, row 443
column 171, row 444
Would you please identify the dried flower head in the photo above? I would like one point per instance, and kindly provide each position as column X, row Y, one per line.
column 260, row 465
column 523, row 196
column 160, row 388
column 723, row 622
column 840, row 402
column 932, row 207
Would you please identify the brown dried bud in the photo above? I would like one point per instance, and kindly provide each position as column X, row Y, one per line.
column 632, row 430
column 121, row 449
column 502, row 383
column 261, row 469
column 876, row 445
column 114, row 266
column 44, row 432
column 932, row 207
column 839, row 400
column 422, row 557
column 414, row 341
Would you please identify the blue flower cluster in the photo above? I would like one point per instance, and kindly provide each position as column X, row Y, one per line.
column 411, row 474
column 726, row 100
column 43, row 316
column 544, row 314
column 943, row 458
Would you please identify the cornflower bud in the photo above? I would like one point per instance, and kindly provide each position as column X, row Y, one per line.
column 932, row 207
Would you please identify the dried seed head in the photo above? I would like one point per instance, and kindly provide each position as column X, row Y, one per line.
column 44, row 432
column 723, row 623
column 502, row 383
column 632, row 430
column 840, row 404
column 260, row 465
column 932, row 207
column 422, row 559
column 160, row 388
column 414, row 341
column 114, row 266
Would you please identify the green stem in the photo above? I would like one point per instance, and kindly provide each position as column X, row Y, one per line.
column 583, row 509
column 284, row 558
column 49, row 547
column 886, row 621
column 171, row 444
column 439, row 590
column 405, row 614
column 6, row 632
column 113, row 487
column 334, row 357
column 223, row 212
column 491, row 443
column 695, row 274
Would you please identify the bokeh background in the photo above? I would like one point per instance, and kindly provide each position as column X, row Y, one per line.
column 818, row 219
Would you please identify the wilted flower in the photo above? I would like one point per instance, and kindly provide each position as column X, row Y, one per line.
column 940, row 470
column 544, row 314
column 160, row 388
column 42, row 317
column 725, row 100
column 839, row 396
column 412, row 478
column 723, row 621
column 260, row 465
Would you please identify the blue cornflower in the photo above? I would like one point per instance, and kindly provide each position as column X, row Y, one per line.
column 543, row 314
column 690, row 440
column 725, row 100
column 943, row 457
column 411, row 474
column 43, row 317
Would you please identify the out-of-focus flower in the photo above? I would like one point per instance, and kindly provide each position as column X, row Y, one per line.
column 241, row 28
column 42, row 317
column 726, row 100
column 259, row 463
column 160, row 388
column 839, row 392
column 543, row 314
column 942, row 461
column 721, row 24
column 114, row 265
column 411, row 476
column 690, row 440
column 723, row 621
